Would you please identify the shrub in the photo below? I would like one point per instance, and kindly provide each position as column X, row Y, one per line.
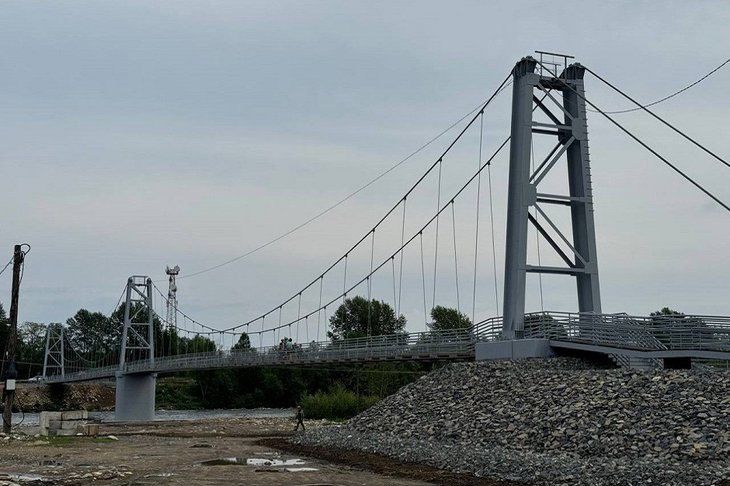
column 336, row 404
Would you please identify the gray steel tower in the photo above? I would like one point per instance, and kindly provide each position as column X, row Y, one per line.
column 172, row 297
column 561, row 100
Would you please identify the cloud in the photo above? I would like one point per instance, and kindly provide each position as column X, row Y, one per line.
column 138, row 135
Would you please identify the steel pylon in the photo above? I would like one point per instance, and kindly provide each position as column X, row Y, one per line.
column 138, row 335
column 561, row 98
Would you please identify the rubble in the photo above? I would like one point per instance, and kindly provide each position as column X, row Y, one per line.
column 552, row 422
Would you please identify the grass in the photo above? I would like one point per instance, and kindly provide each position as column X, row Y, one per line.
column 60, row 440
column 336, row 404
column 102, row 440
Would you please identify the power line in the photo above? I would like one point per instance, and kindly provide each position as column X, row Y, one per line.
column 231, row 330
column 640, row 107
column 643, row 144
column 296, row 228
column 6, row 266
column 677, row 130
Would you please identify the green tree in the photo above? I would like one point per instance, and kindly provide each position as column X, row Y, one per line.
column 669, row 326
column 243, row 344
column 4, row 330
column 445, row 318
column 200, row 344
column 358, row 317
column 31, row 347
column 217, row 388
column 543, row 325
column 92, row 334
column 666, row 311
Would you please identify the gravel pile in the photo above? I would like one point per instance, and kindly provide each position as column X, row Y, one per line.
column 553, row 422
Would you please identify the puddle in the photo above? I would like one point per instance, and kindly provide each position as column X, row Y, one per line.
column 261, row 462
column 23, row 478
column 226, row 461
column 160, row 475
column 274, row 462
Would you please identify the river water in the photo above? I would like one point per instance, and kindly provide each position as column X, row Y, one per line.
column 165, row 415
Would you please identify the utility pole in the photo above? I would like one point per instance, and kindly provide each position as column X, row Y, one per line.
column 11, row 373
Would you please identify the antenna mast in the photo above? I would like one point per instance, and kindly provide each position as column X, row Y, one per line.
column 172, row 297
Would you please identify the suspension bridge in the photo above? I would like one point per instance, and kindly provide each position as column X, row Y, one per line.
column 549, row 117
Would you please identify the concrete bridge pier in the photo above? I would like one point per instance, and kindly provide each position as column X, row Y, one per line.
column 135, row 397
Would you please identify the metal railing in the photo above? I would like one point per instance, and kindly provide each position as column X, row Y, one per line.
column 432, row 345
column 691, row 332
column 695, row 333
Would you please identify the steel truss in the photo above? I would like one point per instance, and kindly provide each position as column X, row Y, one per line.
column 564, row 106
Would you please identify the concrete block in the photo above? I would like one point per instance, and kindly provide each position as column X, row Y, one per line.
column 88, row 429
column 64, row 433
column 46, row 417
column 75, row 415
column 71, row 424
column 55, row 424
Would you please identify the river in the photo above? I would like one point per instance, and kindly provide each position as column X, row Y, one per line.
column 165, row 415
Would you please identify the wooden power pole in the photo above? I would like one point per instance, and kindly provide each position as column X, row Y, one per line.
column 11, row 372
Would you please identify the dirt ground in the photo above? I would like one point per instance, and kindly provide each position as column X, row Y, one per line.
column 232, row 451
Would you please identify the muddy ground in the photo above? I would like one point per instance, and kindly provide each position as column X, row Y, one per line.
column 212, row 452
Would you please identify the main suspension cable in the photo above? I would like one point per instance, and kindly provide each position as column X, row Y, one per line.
column 502, row 86
column 481, row 106
column 367, row 277
column 642, row 143
column 662, row 120
column 395, row 206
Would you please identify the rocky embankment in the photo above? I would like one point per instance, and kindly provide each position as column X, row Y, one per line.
column 553, row 422
column 86, row 396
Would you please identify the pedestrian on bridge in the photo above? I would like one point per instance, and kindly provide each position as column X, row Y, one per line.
column 300, row 418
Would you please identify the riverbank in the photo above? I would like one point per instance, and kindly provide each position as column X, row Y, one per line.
column 234, row 450
column 87, row 396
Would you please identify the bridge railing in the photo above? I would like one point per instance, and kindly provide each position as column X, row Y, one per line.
column 690, row 332
column 421, row 345
column 488, row 330
column 376, row 348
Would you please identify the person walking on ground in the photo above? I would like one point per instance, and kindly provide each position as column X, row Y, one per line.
column 300, row 419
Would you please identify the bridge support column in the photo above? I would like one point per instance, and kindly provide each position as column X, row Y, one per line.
column 558, row 100
column 135, row 397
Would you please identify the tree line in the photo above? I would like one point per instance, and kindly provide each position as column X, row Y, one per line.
column 94, row 335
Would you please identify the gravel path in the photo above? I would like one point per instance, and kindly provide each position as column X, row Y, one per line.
column 553, row 422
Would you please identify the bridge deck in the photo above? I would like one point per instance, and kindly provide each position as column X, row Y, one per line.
column 619, row 335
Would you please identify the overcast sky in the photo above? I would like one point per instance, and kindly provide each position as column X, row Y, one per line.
column 141, row 134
